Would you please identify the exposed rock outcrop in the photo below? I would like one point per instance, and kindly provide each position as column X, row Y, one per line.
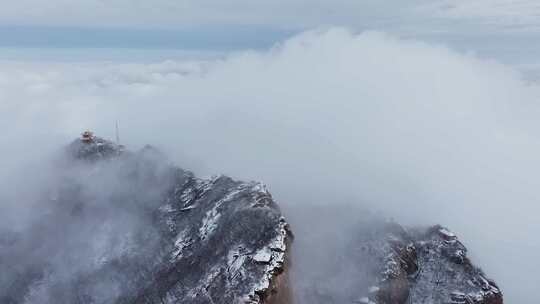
column 427, row 266
column 359, row 257
column 125, row 227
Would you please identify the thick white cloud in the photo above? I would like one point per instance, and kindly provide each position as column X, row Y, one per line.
column 420, row 132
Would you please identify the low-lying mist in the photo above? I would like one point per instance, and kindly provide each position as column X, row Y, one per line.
column 79, row 232
column 329, row 118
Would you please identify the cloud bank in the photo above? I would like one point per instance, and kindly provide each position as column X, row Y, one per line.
column 330, row 117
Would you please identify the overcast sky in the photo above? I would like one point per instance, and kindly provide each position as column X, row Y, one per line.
column 188, row 13
column 504, row 30
column 275, row 13
column 413, row 15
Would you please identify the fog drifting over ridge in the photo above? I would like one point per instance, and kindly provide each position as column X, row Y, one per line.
column 422, row 133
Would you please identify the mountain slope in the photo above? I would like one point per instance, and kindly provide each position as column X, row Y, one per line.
column 124, row 227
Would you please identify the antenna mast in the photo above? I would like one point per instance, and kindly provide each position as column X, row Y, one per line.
column 117, row 134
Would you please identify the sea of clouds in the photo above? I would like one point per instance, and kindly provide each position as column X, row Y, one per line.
column 416, row 131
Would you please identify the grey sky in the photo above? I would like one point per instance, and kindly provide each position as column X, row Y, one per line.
column 277, row 14
column 206, row 24
column 504, row 30
column 188, row 13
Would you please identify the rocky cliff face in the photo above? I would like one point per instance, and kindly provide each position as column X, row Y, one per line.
column 373, row 261
column 426, row 266
column 128, row 227
column 125, row 227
